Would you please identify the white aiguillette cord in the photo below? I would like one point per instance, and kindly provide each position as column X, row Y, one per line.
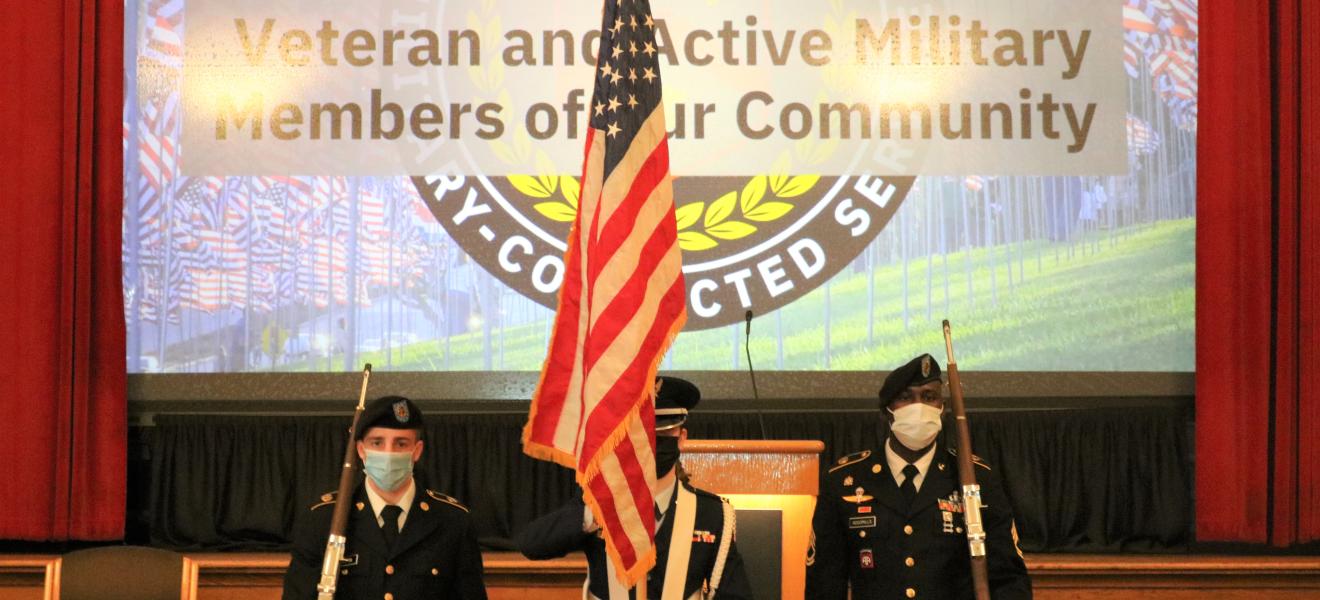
column 680, row 544
column 680, row 550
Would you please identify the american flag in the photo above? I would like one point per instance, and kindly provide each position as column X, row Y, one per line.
column 1165, row 32
column 1141, row 138
column 212, row 244
column 621, row 302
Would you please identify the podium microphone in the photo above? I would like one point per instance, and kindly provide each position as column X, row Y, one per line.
column 756, row 397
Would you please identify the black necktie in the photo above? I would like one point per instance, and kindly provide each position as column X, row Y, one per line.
column 909, row 487
column 390, row 514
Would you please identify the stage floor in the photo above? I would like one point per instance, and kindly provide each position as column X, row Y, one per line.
column 509, row 576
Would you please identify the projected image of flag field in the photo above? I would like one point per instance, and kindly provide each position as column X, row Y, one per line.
column 293, row 272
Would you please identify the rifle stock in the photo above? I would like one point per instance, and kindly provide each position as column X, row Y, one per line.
column 971, row 492
column 334, row 545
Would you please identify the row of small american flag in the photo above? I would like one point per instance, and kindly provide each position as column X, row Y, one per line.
column 249, row 243
column 1163, row 34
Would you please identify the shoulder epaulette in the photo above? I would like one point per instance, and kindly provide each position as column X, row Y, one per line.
column 850, row 459
column 701, row 492
column 976, row 460
column 327, row 499
column 450, row 500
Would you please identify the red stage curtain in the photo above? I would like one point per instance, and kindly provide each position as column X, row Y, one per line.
column 1257, row 360
column 1308, row 268
column 61, row 305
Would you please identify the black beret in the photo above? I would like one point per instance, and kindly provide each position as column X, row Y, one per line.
column 919, row 371
column 390, row 412
column 673, row 398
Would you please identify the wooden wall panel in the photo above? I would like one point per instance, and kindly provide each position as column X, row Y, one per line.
column 1054, row 577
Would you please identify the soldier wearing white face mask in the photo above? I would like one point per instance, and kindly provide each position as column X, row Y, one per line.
column 889, row 524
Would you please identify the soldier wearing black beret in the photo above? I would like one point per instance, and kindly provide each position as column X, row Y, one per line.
column 404, row 541
column 890, row 523
column 713, row 565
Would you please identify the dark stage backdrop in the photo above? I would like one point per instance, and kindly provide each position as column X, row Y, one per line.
column 1080, row 480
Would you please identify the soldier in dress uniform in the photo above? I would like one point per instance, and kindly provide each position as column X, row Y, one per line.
column 889, row 522
column 404, row 541
column 711, row 567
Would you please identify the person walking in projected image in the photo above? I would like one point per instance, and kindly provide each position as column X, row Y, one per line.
column 343, row 341
column 889, row 523
column 712, row 567
column 404, row 541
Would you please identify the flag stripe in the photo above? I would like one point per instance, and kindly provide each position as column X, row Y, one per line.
column 619, row 186
column 632, row 292
column 626, row 246
column 556, row 413
column 602, row 498
column 611, row 378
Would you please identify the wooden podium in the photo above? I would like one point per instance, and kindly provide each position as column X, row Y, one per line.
column 772, row 484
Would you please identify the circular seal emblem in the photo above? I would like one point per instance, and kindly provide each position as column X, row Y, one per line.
column 750, row 243
column 758, row 244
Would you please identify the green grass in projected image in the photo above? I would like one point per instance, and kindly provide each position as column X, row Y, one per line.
column 1112, row 300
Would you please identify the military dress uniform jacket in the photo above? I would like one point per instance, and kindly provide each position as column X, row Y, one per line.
column 559, row 533
column 861, row 533
column 436, row 554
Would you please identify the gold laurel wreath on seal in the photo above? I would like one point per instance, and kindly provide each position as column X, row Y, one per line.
column 701, row 225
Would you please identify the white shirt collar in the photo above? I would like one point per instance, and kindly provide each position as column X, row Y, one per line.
column 405, row 502
column 896, row 464
column 666, row 485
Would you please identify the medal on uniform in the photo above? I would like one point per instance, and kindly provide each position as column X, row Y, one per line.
column 859, row 496
column 951, row 504
column 867, row 561
column 948, row 521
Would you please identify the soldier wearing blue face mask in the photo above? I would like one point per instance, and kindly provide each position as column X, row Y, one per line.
column 404, row 541
column 889, row 523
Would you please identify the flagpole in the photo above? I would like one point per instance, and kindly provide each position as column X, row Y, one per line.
column 132, row 179
column 354, row 264
column 167, row 241
column 248, row 224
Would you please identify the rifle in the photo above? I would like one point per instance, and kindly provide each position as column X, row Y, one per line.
column 971, row 492
column 334, row 546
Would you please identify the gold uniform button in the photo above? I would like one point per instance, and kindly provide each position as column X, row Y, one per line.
column 389, row 596
column 389, row 569
column 909, row 562
column 911, row 593
column 861, row 533
column 907, row 529
column 435, row 571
